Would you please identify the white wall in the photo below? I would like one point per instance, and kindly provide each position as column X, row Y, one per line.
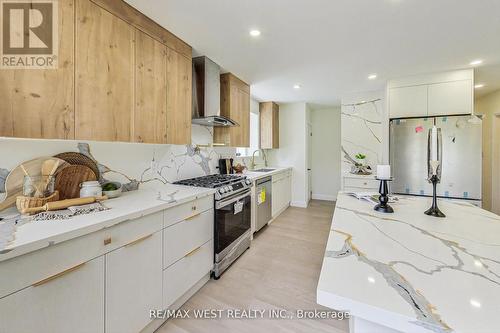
column 292, row 151
column 254, row 130
column 326, row 159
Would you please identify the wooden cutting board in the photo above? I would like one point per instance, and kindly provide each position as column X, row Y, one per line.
column 15, row 179
column 68, row 180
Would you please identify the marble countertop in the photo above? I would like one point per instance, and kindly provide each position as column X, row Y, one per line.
column 413, row 272
column 33, row 236
column 352, row 175
column 253, row 175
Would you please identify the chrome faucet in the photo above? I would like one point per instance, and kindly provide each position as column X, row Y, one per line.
column 252, row 163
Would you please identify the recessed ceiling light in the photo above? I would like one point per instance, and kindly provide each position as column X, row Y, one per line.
column 371, row 279
column 478, row 263
column 297, row 86
column 255, row 33
column 479, row 86
column 476, row 62
column 475, row 303
column 372, row 76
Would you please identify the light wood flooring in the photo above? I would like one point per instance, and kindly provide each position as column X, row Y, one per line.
column 279, row 271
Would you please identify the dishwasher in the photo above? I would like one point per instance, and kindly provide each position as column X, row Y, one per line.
column 263, row 190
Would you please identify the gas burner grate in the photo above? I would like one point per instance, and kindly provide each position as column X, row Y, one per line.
column 211, row 181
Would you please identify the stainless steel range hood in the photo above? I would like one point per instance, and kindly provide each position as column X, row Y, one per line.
column 206, row 94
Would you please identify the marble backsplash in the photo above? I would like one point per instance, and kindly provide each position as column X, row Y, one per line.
column 361, row 126
column 132, row 164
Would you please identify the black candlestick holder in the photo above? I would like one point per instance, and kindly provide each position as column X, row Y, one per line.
column 434, row 210
column 383, row 189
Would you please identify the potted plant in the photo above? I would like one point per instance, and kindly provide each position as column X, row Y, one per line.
column 360, row 159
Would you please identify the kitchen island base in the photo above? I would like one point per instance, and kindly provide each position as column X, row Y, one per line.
column 359, row 325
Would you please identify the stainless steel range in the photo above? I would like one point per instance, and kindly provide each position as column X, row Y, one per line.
column 232, row 225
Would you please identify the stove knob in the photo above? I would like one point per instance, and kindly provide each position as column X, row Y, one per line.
column 248, row 181
column 222, row 190
column 227, row 189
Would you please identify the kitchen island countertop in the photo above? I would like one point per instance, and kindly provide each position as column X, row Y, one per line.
column 409, row 272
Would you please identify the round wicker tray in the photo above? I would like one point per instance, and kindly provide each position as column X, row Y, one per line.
column 80, row 159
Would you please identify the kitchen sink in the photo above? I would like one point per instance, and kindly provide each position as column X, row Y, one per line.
column 263, row 170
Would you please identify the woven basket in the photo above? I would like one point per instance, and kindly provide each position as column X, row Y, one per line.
column 23, row 203
column 80, row 159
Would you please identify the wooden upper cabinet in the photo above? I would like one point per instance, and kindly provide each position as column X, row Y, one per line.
column 120, row 77
column 269, row 125
column 39, row 103
column 150, row 113
column 235, row 104
column 104, row 74
column 179, row 97
column 132, row 16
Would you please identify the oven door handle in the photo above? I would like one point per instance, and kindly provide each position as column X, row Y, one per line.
column 224, row 203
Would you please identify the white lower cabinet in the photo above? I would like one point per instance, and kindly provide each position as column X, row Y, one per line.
column 281, row 192
column 108, row 281
column 186, row 272
column 185, row 236
column 275, row 197
column 70, row 301
column 133, row 284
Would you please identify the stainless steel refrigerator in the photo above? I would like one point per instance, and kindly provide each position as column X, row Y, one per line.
column 462, row 157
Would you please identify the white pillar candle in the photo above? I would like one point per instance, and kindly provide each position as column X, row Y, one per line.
column 383, row 171
column 434, row 143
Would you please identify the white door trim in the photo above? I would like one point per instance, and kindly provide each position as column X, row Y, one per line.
column 495, row 165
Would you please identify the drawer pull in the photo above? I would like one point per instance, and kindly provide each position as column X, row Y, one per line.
column 107, row 241
column 139, row 240
column 193, row 252
column 365, row 183
column 55, row 276
column 193, row 208
column 193, row 216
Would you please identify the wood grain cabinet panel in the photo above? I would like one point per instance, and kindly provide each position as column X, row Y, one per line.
column 39, row 103
column 235, row 104
column 150, row 113
column 269, row 125
column 104, row 74
column 179, row 97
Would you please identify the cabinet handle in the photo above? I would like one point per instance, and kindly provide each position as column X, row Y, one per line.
column 107, row 241
column 193, row 252
column 193, row 208
column 139, row 240
column 365, row 183
column 55, row 276
column 192, row 216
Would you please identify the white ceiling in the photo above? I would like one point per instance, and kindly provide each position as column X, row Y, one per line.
column 331, row 46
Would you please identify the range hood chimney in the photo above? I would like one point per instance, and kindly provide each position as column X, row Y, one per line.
column 206, row 94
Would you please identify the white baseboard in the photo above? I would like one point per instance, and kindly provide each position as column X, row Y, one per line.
column 301, row 204
column 326, row 197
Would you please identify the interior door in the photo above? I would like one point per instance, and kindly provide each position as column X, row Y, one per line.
column 495, row 200
column 309, row 161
